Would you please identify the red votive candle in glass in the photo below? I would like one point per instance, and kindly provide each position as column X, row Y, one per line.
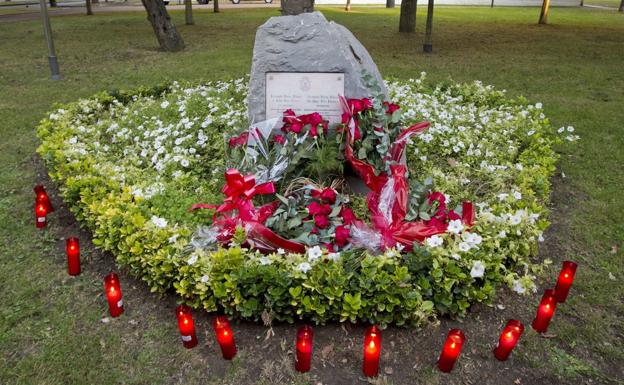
column 372, row 351
column 545, row 311
column 222, row 329
column 451, row 350
column 564, row 282
column 508, row 339
column 303, row 356
column 186, row 326
column 72, row 247
column 41, row 196
column 113, row 294
column 41, row 211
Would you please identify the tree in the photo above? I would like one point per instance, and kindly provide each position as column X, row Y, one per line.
column 188, row 12
column 428, row 46
column 389, row 3
column 621, row 6
column 215, row 6
column 348, row 6
column 89, row 10
column 544, row 13
column 52, row 3
column 166, row 33
column 407, row 21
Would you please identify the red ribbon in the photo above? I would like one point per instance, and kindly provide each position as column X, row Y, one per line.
column 396, row 230
column 239, row 191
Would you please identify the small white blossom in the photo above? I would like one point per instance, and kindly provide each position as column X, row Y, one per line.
column 502, row 234
column 540, row 238
column 434, row 241
column 265, row 261
column 192, row 259
column 173, row 238
column 456, row 256
column 281, row 251
column 314, row 253
column 518, row 287
column 455, row 226
column 164, row 104
column 159, row 222
column 464, row 247
column 204, row 279
column 478, row 268
column 517, row 195
column 502, row 196
column 304, row 267
column 333, row 257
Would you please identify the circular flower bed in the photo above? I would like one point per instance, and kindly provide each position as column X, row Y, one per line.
column 131, row 164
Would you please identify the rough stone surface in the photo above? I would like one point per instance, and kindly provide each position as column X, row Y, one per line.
column 295, row 7
column 307, row 43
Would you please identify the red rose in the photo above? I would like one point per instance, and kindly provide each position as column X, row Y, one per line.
column 342, row 235
column 452, row 215
column 441, row 199
column 346, row 117
column 329, row 195
column 295, row 127
column 367, row 104
column 348, row 217
column 290, row 117
column 314, row 208
column 277, row 138
column 326, row 209
column 314, row 131
column 321, row 221
column 329, row 247
column 355, row 105
column 238, row 140
column 390, row 107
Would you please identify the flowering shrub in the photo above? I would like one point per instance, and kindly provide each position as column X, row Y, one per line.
column 130, row 164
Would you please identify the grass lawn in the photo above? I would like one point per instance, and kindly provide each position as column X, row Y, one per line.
column 50, row 324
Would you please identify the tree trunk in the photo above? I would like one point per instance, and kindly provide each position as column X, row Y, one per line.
column 52, row 3
column 215, row 6
column 296, row 7
column 582, row 3
column 428, row 46
column 89, row 10
column 188, row 12
column 621, row 6
column 544, row 14
column 348, row 6
column 166, row 33
column 407, row 21
column 389, row 3
column 492, row 5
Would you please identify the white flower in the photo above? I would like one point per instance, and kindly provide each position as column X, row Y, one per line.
column 502, row 234
column 304, row 267
column 434, row 241
column 192, row 260
column 333, row 257
column 164, row 104
column 281, row 251
column 517, row 195
column 518, row 287
column 478, row 268
column 314, row 253
column 159, row 222
column 502, row 196
column 464, row 247
column 570, row 129
column 561, row 129
column 265, row 261
column 204, row 278
column 515, row 219
column 455, row 226
column 184, row 163
column 531, row 132
column 455, row 257
column 538, row 106
column 540, row 238
column 173, row 238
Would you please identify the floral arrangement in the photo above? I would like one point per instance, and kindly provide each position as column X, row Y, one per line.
column 130, row 164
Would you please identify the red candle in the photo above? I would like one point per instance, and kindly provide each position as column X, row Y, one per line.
column 72, row 247
column 186, row 326
column 40, row 215
column 41, row 196
column 451, row 350
column 372, row 350
column 303, row 358
column 225, row 337
column 508, row 339
column 113, row 295
column 545, row 311
column 566, row 277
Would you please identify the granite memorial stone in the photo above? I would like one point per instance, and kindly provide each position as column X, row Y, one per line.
column 307, row 46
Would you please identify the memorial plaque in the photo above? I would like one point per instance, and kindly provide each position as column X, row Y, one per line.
column 304, row 92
